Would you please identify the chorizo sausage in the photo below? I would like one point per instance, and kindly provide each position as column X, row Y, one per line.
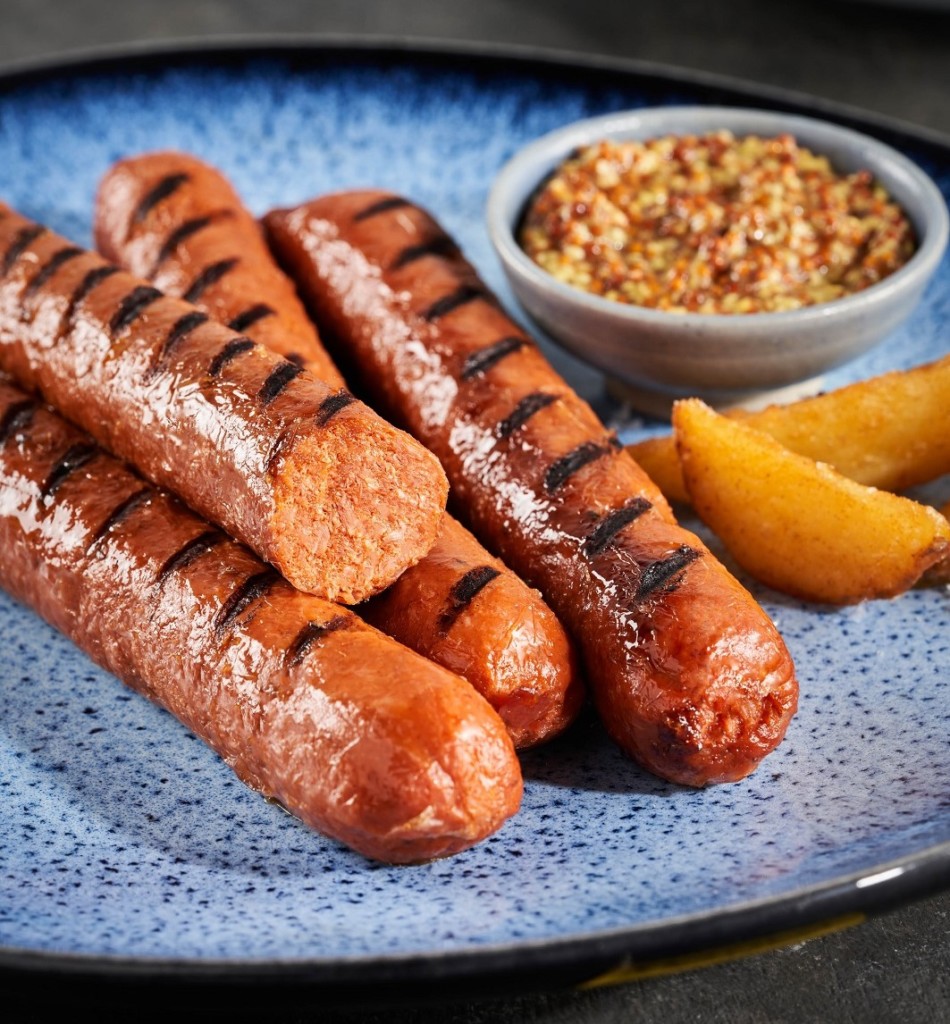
column 168, row 217
column 356, row 735
column 314, row 482
column 689, row 675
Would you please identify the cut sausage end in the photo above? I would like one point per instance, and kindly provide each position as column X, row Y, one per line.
column 345, row 528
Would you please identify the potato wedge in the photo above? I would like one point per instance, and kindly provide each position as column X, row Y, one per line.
column 891, row 431
column 658, row 458
column 796, row 524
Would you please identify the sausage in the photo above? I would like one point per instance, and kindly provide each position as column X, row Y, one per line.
column 356, row 735
column 314, row 482
column 469, row 612
column 168, row 217
column 689, row 675
column 176, row 222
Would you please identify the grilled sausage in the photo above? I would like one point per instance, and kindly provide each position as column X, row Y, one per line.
column 314, row 482
column 689, row 674
column 467, row 611
column 359, row 737
column 176, row 222
column 168, row 217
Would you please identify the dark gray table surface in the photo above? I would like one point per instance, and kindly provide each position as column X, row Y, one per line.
column 891, row 59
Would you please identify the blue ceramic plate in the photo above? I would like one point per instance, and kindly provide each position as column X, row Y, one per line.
column 127, row 848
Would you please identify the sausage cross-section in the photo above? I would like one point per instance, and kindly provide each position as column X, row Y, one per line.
column 689, row 674
column 313, row 481
column 356, row 735
column 169, row 217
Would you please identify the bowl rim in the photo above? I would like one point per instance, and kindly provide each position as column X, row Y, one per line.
column 544, row 153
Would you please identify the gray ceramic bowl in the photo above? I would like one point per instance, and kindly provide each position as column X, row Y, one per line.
column 721, row 357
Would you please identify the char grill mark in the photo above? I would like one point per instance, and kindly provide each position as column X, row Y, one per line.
column 122, row 511
column 57, row 260
column 95, row 277
column 132, row 307
column 277, row 449
column 331, row 405
column 189, row 553
column 482, row 361
column 251, row 316
column 600, row 538
column 182, row 327
column 462, row 295
column 211, row 275
column 183, row 232
column 250, row 591
column 523, row 411
column 166, row 187
column 16, row 417
column 664, row 573
column 22, row 240
column 311, row 635
column 296, row 358
column 464, row 592
column 561, row 471
column 441, row 245
column 278, row 379
column 381, row 206
column 75, row 457
column 234, row 348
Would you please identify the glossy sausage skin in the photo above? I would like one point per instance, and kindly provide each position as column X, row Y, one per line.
column 689, row 674
column 467, row 611
column 313, row 481
column 171, row 219
column 356, row 735
column 168, row 217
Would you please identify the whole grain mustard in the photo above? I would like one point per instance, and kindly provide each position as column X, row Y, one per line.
column 714, row 224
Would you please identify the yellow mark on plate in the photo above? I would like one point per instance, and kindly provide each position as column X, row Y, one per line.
column 633, row 971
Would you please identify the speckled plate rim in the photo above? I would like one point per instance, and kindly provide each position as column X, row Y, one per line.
column 586, row 961
column 582, row 960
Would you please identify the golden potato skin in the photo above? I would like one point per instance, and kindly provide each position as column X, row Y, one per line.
column 658, row 458
column 890, row 431
column 796, row 524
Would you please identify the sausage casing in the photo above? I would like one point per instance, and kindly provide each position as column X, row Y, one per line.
column 167, row 217
column 313, row 481
column 689, row 674
column 170, row 219
column 359, row 737
column 467, row 611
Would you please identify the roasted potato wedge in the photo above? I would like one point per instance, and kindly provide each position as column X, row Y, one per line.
column 658, row 458
column 796, row 524
column 892, row 431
